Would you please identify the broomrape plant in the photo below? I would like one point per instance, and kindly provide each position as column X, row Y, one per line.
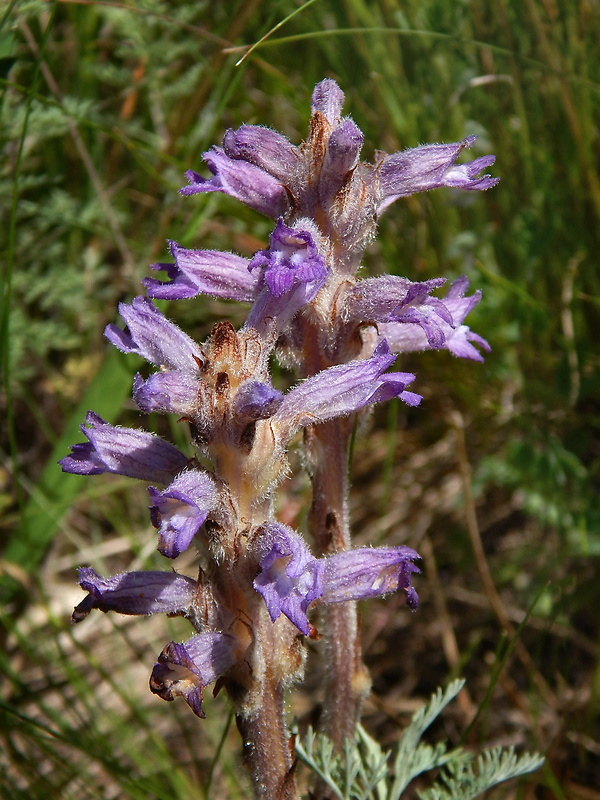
column 252, row 607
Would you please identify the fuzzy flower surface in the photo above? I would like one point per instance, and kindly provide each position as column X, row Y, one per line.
column 291, row 579
column 322, row 190
column 324, row 180
column 243, row 426
column 259, row 581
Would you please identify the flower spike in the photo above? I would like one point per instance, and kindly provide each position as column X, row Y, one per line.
column 259, row 582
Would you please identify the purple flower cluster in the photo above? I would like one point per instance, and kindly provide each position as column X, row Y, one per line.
column 343, row 333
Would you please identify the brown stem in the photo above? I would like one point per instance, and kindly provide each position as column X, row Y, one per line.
column 267, row 752
column 347, row 681
column 266, row 740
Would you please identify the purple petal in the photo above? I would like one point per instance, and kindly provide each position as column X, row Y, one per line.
column 343, row 148
column 153, row 337
column 426, row 327
column 183, row 670
column 180, row 510
column 369, row 572
column 380, row 299
column 167, row 393
column 136, row 593
column 392, row 385
column 459, row 341
column 294, row 271
column 341, row 156
column 436, row 305
column 290, row 577
column 461, row 344
column 427, row 319
column 255, row 400
column 251, row 185
column 264, row 148
column 335, row 188
column 457, row 304
column 403, row 337
column 328, row 99
column 340, row 390
column 208, row 272
column 464, row 176
column 429, row 167
column 123, row 451
column 292, row 258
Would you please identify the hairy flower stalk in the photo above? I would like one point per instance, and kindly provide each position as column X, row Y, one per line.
column 252, row 604
column 322, row 185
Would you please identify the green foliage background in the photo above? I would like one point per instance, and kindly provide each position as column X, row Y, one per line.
column 103, row 107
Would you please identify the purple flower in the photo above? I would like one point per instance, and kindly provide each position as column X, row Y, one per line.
column 149, row 334
column 389, row 298
column 327, row 99
column 293, row 272
column 292, row 258
column 426, row 327
column 290, row 577
column 180, row 510
column 123, row 451
column 209, row 272
column 370, row 572
column 154, row 337
column 430, row 166
column 255, row 187
column 279, row 280
column 264, row 148
column 342, row 390
column 138, row 593
column 170, row 392
column 386, row 298
column 343, row 152
column 183, row 670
